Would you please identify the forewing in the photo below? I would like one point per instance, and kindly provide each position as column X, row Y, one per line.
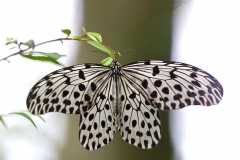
column 97, row 125
column 68, row 90
column 170, row 85
column 139, row 122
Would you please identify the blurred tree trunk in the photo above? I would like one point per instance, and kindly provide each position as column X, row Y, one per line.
column 143, row 26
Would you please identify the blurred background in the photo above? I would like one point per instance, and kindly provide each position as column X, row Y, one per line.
column 203, row 33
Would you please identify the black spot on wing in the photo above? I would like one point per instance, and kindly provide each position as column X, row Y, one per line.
column 178, row 87
column 132, row 95
column 65, row 93
column 155, row 70
column 154, row 94
column 172, row 75
column 158, row 83
column 147, row 63
column 165, row 90
column 196, row 83
column 193, row 75
column 195, row 69
column 81, row 75
column 145, row 83
column 93, row 86
column 87, row 66
column 76, row 95
column 81, row 87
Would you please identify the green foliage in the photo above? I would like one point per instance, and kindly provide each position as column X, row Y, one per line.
column 76, row 38
column 92, row 38
column 95, row 36
column 9, row 41
column 107, row 61
column 43, row 56
column 3, row 122
column 101, row 47
column 29, row 43
column 95, row 39
column 40, row 117
column 66, row 31
column 23, row 113
column 26, row 116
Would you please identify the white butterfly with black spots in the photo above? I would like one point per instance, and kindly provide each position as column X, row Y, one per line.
column 125, row 97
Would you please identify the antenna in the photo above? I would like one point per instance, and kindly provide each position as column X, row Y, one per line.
column 101, row 52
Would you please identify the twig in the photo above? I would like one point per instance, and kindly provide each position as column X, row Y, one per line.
column 54, row 40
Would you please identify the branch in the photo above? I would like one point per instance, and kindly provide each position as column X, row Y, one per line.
column 54, row 40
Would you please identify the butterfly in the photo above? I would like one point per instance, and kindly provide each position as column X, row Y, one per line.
column 126, row 98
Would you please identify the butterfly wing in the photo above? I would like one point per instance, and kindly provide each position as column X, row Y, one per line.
column 68, row 90
column 97, row 125
column 147, row 86
column 139, row 122
column 170, row 85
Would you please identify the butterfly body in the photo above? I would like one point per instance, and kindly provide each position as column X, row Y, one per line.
column 116, row 88
column 125, row 98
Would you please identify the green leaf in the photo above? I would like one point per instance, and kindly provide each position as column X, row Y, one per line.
column 3, row 122
column 76, row 38
column 95, row 36
column 9, row 41
column 84, row 30
column 29, row 43
column 39, row 116
column 54, row 55
column 101, row 47
column 66, row 31
column 42, row 56
column 107, row 61
column 26, row 116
